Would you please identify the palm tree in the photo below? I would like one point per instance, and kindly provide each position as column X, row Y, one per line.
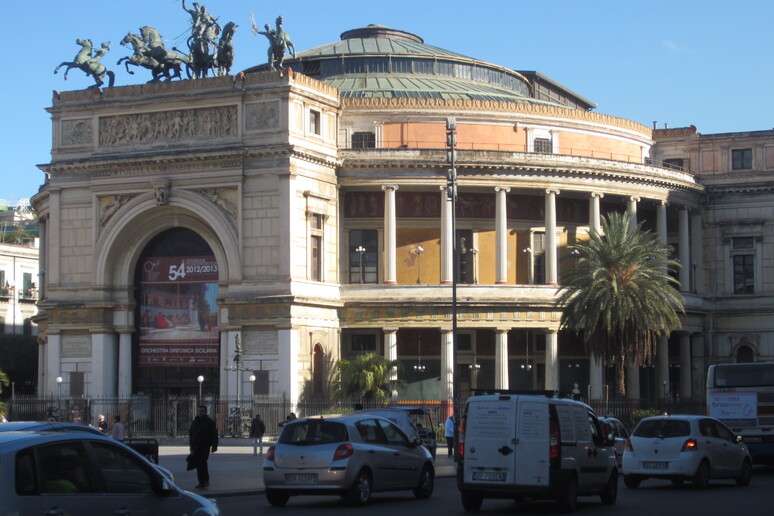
column 367, row 377
column 620, row 297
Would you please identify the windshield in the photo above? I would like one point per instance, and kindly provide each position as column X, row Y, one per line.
column 313, row 431
column 744, row 375
column 663, row 428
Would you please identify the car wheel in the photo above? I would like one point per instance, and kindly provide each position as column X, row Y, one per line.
column 360, row 492
column 745, row 475
column 277, row 498
column 472, row 502
column 426, row 483
column 568, row 500
column 610, row 493
column 631, row 481
column 702, row 476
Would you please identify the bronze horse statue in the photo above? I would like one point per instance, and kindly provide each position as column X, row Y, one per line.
column 224, row 57
column 90, row 63
column 169, row 69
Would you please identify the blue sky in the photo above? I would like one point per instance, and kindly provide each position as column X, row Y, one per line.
column 705, row 63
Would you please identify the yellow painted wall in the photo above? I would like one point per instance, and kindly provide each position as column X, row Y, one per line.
column 406, row 266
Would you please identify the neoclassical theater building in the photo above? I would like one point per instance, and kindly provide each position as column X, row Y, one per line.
column 303, row 216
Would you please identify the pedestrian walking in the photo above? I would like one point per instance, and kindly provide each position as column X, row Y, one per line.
column 449, row 434
column 257, row 429
column 102, row 424
column 202, row 440
column 117, row 432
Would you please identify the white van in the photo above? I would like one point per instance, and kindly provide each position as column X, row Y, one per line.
column 527, row 446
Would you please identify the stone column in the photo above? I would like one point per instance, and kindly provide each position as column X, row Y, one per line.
column 391, row 354
column 53, row 364
column 501, row 227
column 697, row 263
column 104, row 364
column 698, row 367
column 42, row 254
column 125, row 363
column 390, row 274
column 501, row 358
column 632, row 370
column 662, row 348
column 552, row 360
column 447, row 239
column 685, row 366
column 551, row 246
column 596, row 371
column 288, row 383
column 447, row 364
column 54, row 238
column 684, row 251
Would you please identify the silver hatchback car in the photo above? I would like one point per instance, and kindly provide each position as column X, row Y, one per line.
column 350, row 456
column 75, row 472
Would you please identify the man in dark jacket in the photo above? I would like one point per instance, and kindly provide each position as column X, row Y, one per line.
column 202, row 440
column 257, row 429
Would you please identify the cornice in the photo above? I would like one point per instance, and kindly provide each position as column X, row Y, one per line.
column 525, row 108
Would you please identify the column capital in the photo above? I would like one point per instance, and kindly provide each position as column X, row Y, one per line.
column 634, row 198
column 554, row 191
column 592, row 195
column 502, row 329
column 505, row 189
column 390, row 330
column 394, row 188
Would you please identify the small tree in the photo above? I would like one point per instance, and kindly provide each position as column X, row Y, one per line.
column 3, row 382
column 619, row 297
column 367, row 378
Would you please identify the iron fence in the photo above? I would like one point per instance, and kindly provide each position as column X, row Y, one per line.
column 171, row 416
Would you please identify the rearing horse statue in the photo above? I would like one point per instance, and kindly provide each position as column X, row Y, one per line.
column 90, row 63
column 141, row 57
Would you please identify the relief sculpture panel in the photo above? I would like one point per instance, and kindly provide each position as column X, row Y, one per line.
column 168, row 126
column 76, row 132
column 261, row 116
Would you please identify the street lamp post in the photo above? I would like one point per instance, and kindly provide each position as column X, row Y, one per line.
column 418, row 250
column 200, row 379
column 252, row 393
column 238, row 368
column 474, row 252
column 451, row 196
column 360, row 250
column 59, row 399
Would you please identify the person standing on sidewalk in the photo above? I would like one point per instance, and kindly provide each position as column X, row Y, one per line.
column 117, row 432
column 257, row 429
column 449, row 434
column 202, row 440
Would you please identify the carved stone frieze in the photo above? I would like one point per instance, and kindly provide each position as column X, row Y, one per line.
column 76, row 132
column 261, row 116
column 168, row 126
column 109, row 205
column 224, row 199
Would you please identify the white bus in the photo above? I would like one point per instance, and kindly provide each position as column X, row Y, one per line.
column 742, row 397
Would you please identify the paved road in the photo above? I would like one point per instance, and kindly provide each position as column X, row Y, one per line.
column 233, row 468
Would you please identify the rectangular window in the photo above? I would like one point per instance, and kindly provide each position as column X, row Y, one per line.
column 76, row 384
column 675, row 163
column 363, row 344
column 363, row 140
column 741, row 159
column 744, row 274
column 543, row 145
column 261, row 383
column 538, row 258
column 363, row 255
column 316, row 231
column 314, row 122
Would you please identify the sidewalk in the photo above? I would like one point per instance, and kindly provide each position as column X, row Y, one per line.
column 235, row 471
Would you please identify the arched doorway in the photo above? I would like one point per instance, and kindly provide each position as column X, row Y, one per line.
column 177, row 338
column 744, row 354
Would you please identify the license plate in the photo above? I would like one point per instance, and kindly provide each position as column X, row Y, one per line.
column 655, row 465
column 490, row 476
column 301, row 478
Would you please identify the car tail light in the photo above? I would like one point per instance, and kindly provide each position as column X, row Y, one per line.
column 690, row 445
column 343, row 451
column 270, row 453
column 461, row 437
column 628, row 445
column 555, row 439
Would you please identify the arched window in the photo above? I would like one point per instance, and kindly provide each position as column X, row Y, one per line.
column 318, row 369
column 744, row 354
